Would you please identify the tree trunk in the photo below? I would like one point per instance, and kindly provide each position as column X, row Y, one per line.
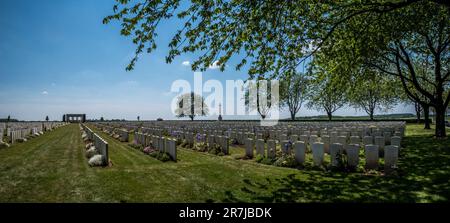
column 192, row 117
column 292, row 116
column 371, row 116
column 440, row 122
column 418, row 110
column 330, row 116
column 426, row 114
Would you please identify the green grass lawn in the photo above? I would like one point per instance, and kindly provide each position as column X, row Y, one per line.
column 52, row 168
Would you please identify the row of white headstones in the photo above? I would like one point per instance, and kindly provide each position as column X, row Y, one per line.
column 25, row 130
column 385, row 138
column 100, row 144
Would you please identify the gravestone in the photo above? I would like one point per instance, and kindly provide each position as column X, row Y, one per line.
column 271, row 148
column 260, row 147
column 172, row 149
column 300, row 150
column 313, row 139
column 318, row 153
column 342, row 140
column 335, row 154
column 354, row 140
column 326, row 143
column 304, row 138
column 161, row 144
column 368, row 140
column 371, row 153
column 379, row 141
column 396, row 141
column 225, row 145
column 390, row 158
column 387, row 137
column 249, row 148
column 352, row 151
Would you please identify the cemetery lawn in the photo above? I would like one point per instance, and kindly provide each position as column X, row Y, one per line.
column 52, row 168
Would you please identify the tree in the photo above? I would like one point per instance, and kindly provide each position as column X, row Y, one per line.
column 373, row 91
column 102, row 119
column 259, row 97
column 293, row 87
column 191, row 105
column 46, row 118
column 271, row 34
column 9, row 118
column 138, row 118
column 326, row 93
column 400, row 44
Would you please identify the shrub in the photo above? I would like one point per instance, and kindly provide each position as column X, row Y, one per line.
column 136, row 146
column 20, row 140
column 267, row 161
column 88, row 146
column 161, row 156
column 96, row 160
column 201, row 146
column 259, row 158
column 286, row 161
column 214, row 149
column 91, row 152
column 178, row 142
column 149, row 149
column 164, row 157
column 237, row 156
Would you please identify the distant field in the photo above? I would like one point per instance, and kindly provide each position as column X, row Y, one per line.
column 52, row 168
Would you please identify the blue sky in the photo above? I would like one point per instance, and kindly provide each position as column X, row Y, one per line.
column 57, row 57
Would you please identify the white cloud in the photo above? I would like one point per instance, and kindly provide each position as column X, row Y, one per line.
column 45, row 92
column 186, row 63
column 214, row 65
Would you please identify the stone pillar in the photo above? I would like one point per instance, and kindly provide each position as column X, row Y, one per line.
column 249, row 148
column 372, row 155
column 318, row 153
column 300, row 150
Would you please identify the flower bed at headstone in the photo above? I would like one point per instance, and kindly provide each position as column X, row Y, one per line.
column 161, row 156
column 151, row 151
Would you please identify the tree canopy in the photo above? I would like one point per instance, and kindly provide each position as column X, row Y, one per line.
column 271, row 35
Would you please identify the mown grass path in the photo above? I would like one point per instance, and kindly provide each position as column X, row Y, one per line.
column 52, row 168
